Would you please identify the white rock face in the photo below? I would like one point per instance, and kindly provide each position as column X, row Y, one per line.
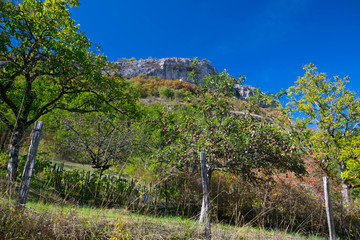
column 166, row 68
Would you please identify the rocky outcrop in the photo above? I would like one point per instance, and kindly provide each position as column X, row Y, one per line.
column 166, row 68
column 177, row 69
column 244, row 91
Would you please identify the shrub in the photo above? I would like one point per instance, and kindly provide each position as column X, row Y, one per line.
column 155, row 92
column 166, row 92
column 140, row 89
column 179, row 94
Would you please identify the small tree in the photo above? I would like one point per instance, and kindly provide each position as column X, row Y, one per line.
column 333, row 112
column 96, row 138
column 46, row 64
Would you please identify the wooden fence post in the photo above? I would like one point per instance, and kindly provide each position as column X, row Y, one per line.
column 205, row 208
column 329, row 211
column 29, row 165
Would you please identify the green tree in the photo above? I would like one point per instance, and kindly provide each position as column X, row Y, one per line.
column 240, row 144
column 46, row 63
column 333, row 112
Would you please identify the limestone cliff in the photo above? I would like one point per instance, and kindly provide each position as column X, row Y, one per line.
column 166, row 68
column 175, row 69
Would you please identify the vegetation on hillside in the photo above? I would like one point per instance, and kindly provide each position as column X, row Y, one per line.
column 142, row 137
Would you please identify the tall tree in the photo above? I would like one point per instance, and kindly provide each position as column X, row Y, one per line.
column 46, row 63
column 333, row 112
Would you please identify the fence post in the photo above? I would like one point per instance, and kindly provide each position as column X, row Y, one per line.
column 329, row 211
column 205, row 207
column 29, row 165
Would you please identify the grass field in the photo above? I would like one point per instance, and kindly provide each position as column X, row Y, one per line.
column 73, row 165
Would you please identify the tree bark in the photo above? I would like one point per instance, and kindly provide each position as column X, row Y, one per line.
column 345, row 187
column 205, row 215
column 14, row 153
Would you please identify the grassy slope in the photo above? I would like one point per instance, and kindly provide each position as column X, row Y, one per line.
column 69, row 222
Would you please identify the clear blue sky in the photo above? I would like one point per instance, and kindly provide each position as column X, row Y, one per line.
column 268, row 41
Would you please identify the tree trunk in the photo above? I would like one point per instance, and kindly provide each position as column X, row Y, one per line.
column 205, row 207
column 14, row 153
column 345, row 187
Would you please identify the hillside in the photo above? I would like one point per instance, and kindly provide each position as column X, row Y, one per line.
column 165, row 148
column 175, row 69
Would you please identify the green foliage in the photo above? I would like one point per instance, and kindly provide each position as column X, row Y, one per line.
column 334, row 113
column 180, row 94
column 166, row 92
column 222, row 82
column 47, row 64
column 58, row 70
column 4, row 158
column 192, row 77
column 238, row 144
column 41, row 163
column 140, row 89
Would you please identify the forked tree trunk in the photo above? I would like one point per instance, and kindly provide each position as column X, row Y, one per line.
column 14, row 153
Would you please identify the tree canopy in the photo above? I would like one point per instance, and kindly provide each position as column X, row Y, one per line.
column 47, row 63
column 333, row 113
column 242, row 144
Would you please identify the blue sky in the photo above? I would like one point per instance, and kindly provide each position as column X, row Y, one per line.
column 268, row 41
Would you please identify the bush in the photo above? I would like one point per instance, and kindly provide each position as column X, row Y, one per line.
column 179, row 94
column 140, row 89
column 155, row 92
column 166, row 92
